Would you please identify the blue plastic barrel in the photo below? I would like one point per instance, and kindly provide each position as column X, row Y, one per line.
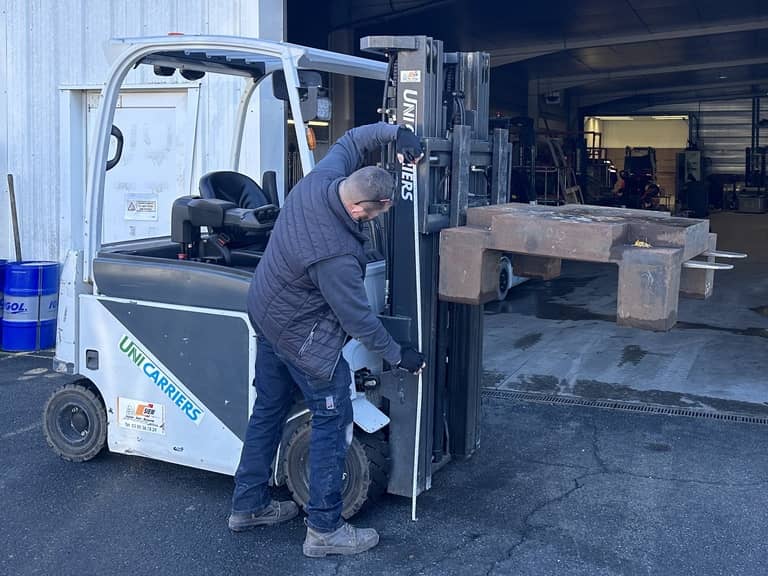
column 2, row 302
column 31, row 306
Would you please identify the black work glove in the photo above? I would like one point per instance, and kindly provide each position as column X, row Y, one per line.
column 408, row 145
column 411, row 360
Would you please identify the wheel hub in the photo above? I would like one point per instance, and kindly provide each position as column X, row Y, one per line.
column 503, row 280
column 73, row 423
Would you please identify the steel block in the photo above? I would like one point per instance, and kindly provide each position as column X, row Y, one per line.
column 699, row 283
column 649, row 248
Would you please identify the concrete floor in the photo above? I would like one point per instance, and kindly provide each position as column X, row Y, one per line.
column 552, row 491
column 561, row 336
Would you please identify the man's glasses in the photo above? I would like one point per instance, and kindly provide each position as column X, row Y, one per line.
column 382, row 201
column 390, row 200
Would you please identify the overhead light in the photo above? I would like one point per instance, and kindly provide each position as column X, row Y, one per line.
column 312, row 122
column 723, row 77
column 670, row 117
column 615, row 117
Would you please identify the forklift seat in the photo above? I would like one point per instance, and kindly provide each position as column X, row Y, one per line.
column 233, row 187
column 242, row 191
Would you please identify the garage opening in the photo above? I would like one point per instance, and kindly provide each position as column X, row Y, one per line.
column 590, row 93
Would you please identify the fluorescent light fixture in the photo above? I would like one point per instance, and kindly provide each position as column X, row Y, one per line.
column 670, row 117
column 615, row 117
column 723, row 77
column 312, row 122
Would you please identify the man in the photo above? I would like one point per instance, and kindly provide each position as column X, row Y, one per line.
column 306, row 297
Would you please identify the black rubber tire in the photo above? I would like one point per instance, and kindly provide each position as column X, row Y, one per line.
column 505, row 278
column 366, row 473
column 75, row 422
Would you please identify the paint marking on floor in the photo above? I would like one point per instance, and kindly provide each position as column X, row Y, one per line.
column 24, row 430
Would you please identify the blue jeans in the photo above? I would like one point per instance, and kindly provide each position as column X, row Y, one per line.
column 331, row 408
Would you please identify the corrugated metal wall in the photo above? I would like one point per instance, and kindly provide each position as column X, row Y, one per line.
column 54, row 43
column 724, row 132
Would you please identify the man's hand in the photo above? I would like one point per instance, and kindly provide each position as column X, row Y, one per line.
column 412, row 360
column 408, row 146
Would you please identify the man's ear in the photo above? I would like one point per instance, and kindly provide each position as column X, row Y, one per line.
column 356, row 210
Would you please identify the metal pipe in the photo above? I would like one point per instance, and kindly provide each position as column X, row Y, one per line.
column 14, row 218
column 242, row 113
column 723, row 254
column 699, row 265
column 420, row 390
column 292, row 83
column 753, row 140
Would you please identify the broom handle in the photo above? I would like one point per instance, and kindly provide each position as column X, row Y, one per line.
column 14, row 218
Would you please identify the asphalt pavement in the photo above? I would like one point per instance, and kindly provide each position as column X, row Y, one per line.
column 553, row 490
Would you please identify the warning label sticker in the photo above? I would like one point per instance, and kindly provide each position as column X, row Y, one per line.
column 141, row 207
column 141, row 416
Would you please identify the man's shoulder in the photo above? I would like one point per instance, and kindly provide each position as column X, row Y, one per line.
column 311, row 183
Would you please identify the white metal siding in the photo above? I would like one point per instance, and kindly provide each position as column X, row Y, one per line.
column 50, row 44
column 5, row 232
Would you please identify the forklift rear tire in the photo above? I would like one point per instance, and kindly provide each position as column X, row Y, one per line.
column 366, row 472
column 75, row 422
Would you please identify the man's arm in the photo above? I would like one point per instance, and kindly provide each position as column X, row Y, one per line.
column 348, row 153
column 341, row 284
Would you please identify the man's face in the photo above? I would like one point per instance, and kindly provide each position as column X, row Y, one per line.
column 367, row 210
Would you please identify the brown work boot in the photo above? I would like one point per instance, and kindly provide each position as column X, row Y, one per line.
column 275, row 513
column 346, row 540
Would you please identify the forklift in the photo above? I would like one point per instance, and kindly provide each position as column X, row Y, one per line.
column 639, row 190
column 156, row 330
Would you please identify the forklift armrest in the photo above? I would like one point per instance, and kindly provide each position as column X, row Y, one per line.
column 208, row 212
column 190, row 213
column 262, row 218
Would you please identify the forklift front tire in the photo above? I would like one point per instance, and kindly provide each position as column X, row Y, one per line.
column 75, row 422
column 366, row 471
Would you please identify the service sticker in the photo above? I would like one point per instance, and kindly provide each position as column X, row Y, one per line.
column 410, row 76
column 141, row 416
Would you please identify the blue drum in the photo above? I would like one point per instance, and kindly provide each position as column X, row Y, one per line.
column 2, row 302
column 31, row 306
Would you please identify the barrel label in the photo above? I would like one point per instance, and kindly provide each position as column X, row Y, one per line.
column 49, row 306
column 21, row 308
column 2, row 304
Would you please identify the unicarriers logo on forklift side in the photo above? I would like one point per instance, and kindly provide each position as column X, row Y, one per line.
column 408, row 171
column 170, row 388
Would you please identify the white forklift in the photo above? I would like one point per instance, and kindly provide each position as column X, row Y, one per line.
column 157, row 330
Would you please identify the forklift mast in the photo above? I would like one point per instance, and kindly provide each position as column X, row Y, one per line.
column 443, row 98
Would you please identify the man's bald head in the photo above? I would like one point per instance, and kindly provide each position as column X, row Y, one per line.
column 367, row 192
column 368, row 184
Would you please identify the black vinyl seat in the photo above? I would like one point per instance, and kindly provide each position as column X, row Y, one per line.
column 242, row 191
column 233, row 187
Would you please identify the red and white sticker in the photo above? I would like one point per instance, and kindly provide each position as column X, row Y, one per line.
column 141, row 415
column 410, row 76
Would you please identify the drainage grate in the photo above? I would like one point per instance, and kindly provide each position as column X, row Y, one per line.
column 618, row 405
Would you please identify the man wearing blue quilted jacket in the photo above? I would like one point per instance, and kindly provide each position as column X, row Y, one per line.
column 307, row 296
